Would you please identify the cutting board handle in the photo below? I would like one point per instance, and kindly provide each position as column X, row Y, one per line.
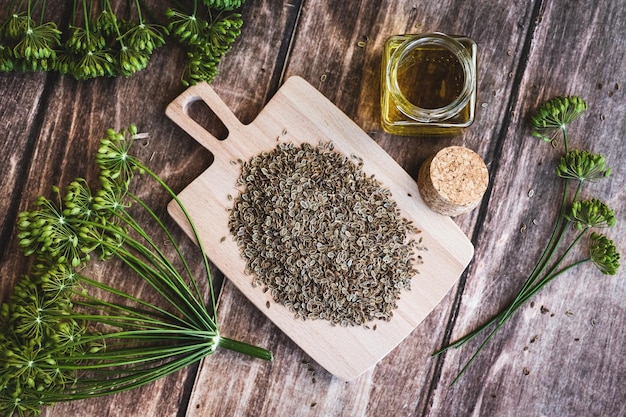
column 178, row 111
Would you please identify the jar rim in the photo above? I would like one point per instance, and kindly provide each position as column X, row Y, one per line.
column 421, row 114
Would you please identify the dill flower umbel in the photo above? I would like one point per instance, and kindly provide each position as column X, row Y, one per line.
column 100, row 44
column 550, row 119
column 49, row 345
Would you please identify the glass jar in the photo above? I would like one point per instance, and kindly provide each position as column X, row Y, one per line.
column 428, row 84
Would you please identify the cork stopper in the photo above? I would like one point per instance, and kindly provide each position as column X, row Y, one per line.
column 453, row 181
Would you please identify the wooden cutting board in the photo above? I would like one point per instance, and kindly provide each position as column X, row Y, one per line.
column 299, row 113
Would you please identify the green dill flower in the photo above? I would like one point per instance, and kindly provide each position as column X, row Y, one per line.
column 110, row 199
column 47, row 231
column 57, row 280
column 220, row 34
column 144, row 37
column 36, row 319
column 582, row 166
column 17, row 24
column 116, row 164
column 65, row 62
column 7, row 63
column 603, row 254
column 107, row 237
column 30, row 366
column 591, row 213
column 78, row 200
column 69, row 334
column 93, row 64
column 223, row 4
column 130, row 60
column 554, row 115
column 184, row 27
column 83, row 40
column 38, row 42
column 106, row 23
column 200, row 67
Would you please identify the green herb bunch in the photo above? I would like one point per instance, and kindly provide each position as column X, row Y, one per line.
column 576, row 218
column 99, row 43
column 206, row 39
column 65, row 336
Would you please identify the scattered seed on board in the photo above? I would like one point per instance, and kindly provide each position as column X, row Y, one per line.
column 327, row 240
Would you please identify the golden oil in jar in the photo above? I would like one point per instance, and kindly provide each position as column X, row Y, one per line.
column 428, row 84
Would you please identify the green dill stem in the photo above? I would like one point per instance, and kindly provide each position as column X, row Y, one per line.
column 170, row 239
column 556, row 235
column 43, row 11
column 159, row 278
column 101, row 304
column 565, row 144
column 93, row 387
column 117, row 28
column 137, row 5
column 502, row 318
column 86, row 17
column 196, row 236
column 74, row 8
column 553, row 243
column 245, row 348
column 185, row 297
column 521, row 298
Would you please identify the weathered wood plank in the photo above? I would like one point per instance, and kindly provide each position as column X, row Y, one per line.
column 73, row 117
column 555, row 357
column 78, row 117
column 53, row 136
column 21, row 98
column 573, row 367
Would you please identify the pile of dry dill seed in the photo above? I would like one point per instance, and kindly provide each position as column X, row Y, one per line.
column 326, row 239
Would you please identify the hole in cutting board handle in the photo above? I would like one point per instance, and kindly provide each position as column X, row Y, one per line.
column 202, row 114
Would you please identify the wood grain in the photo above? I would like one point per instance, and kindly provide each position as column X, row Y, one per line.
column 572, row 348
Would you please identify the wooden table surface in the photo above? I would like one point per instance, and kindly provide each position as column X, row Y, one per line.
column 562, row 354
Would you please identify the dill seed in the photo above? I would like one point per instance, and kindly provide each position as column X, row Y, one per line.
column 326, row 239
